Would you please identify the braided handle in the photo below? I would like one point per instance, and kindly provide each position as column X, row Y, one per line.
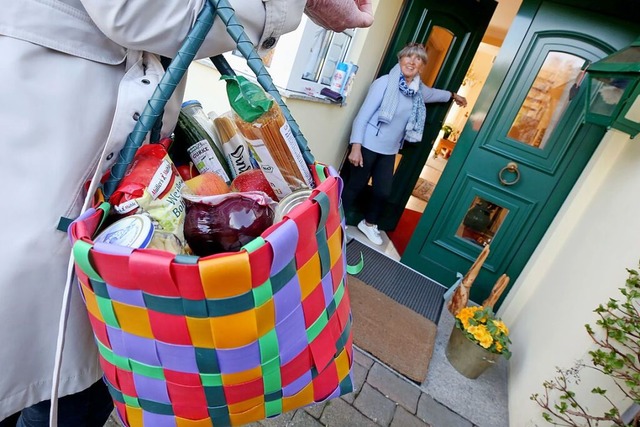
column 155, row 106
column 176, row 71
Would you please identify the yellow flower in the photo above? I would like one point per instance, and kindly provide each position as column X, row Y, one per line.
column 498, row 347
column 482, row 335
column 465, row 314
column 500, row 325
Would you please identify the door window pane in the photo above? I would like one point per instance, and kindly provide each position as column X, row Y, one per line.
column 482, row 221
column 547, row 99
column 437, row 47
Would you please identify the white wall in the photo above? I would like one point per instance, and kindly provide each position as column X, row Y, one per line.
column 579, row 264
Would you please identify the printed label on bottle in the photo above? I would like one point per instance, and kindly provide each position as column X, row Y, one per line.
column 205, row 159
column 269, row 168
column 287, row 134
column 237, row 154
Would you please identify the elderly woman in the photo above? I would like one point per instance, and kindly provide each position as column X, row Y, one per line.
column 393, row 111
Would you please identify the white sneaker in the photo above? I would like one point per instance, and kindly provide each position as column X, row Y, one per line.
column 371, row 231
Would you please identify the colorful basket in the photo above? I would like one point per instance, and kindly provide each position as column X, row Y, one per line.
column 226, row 339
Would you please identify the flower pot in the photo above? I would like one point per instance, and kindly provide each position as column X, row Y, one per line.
column 467, row 357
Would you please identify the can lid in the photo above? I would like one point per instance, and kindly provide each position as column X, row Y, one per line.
column 191, row 102
column 289, row 202
column 134, row 231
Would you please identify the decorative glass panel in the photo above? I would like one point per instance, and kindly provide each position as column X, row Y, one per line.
column 547, row 99
column 482, row 221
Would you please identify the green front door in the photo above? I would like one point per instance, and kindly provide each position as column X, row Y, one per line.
column 520, row 153
column 451, row 32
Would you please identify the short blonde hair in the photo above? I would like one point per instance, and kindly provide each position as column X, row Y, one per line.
column 416, row 49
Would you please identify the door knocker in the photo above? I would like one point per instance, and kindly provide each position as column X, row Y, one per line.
column 513, row 168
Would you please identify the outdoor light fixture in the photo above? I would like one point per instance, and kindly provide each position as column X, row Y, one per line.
column 614, row 90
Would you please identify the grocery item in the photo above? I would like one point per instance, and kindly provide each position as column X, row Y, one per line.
column 263, row 125
column 287, row 204
column 207, row 184
column 152, row 185
column 134, row 231
column 234, row 146
column 202, row 149
column 227, row 222
column 253, row 180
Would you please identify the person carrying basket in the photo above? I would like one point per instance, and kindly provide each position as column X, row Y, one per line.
column 75, row 76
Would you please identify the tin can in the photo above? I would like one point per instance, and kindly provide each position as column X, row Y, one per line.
column 289, row 202
column 133, row 231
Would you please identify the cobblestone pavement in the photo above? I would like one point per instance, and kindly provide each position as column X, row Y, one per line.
column 382, row 398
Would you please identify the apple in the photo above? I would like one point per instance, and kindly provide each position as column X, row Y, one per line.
column 207, row 184
column 253, row 180
column 187, row 171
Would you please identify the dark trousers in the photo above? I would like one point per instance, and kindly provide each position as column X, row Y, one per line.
column 88, row 408
column 378, row 167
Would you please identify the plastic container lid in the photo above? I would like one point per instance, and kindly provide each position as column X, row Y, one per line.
column 134, row 231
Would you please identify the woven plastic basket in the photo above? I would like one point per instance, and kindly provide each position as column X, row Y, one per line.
column 226, row 339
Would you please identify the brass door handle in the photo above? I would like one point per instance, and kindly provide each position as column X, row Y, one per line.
column 513, row 168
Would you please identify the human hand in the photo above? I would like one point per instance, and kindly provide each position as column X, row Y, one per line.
column 461, row 101
column 338, row 15
column 355, row 156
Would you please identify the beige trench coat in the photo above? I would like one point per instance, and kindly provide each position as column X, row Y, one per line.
column 68, row 90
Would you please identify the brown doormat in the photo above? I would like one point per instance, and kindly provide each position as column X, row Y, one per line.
column 395, row 334
column 423, row 189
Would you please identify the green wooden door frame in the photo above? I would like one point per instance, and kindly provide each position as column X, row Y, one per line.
column 510, row 57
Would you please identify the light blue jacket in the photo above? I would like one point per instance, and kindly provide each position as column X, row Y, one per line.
column 387, row 138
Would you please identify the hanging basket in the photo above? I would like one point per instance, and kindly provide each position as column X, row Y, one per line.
column 467, row 357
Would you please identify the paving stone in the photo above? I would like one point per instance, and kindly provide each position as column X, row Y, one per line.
column 113, row 420
column 315, row 410
column 282, row 420
column 303, row 419
column 403, row 418
column 395, row 387
column 438, row 415
column 375, row 405
column 339, row 413
column 361, row 358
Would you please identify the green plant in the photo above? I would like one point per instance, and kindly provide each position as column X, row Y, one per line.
column 480, row 324
column 617, row 356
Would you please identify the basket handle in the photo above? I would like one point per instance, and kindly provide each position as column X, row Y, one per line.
column 176, row 71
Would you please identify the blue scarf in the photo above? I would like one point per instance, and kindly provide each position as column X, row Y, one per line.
column 398, row 85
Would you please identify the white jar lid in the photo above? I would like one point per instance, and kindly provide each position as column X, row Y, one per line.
column 134, row 231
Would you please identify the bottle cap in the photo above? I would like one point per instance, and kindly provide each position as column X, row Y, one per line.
column 134, row 231
column 191, row 102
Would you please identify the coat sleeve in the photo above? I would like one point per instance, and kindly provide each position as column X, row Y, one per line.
column 432, row 95
column 369, row 107
column 160, row 26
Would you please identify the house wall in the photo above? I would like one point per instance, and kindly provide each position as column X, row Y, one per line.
column 579, row 264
